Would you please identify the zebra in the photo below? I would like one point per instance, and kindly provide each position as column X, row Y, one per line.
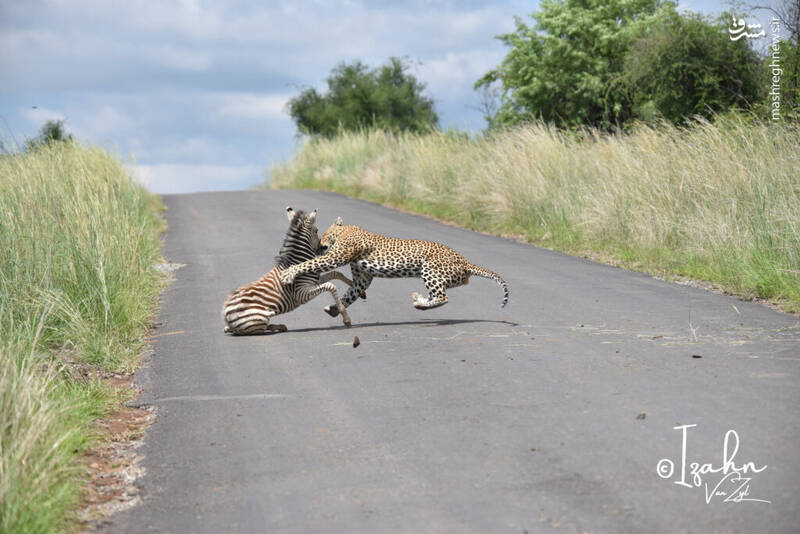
column 247, row 310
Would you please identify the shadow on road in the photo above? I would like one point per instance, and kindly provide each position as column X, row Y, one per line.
column 424, row 322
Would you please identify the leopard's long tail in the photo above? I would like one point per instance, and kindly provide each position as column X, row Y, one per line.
column 486, row 273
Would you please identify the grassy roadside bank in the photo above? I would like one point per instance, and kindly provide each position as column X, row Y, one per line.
column 78, row 241
column 714, row 202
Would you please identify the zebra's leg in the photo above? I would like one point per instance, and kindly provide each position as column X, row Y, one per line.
column 335, row 275
column 311, row 291
column 361, row 281
column 250, row 321
column 261, row 326
column 436, row 291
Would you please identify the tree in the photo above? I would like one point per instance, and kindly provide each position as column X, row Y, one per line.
column 387, row 97
column 488, row 104
column 685, row 65
column 788, row 14
column 53, row 131
column 561, row 69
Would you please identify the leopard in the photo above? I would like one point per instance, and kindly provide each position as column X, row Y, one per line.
column 372, row 255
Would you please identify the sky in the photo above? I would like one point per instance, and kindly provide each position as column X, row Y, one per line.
column 192, row 94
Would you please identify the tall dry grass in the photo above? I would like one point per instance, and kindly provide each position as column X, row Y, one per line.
column 36, row 442
column 717, row 202
column 77, row 232
column 78, row 240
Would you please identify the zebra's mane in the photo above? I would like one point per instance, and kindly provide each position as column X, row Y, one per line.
column 296, row 247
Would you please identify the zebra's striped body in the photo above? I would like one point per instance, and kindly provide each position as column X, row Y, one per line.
column 248, row 309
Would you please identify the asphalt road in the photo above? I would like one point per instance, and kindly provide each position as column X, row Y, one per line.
column 466, row 418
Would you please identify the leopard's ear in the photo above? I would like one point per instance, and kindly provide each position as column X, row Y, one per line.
column 312, row 216
column 338, row 221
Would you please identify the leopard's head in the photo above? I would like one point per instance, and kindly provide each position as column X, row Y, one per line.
column 332, row 234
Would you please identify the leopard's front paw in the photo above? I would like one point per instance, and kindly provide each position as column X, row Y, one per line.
column 287, row 276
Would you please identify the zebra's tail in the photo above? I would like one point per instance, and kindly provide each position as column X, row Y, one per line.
column 486, row 273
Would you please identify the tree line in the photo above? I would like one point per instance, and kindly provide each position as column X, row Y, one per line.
column 599, row 63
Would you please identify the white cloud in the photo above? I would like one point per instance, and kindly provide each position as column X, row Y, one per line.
column 196, row 91
column 180, row 178
column 179, row 58
column 197, row 150
column 458, row 71
column 39, row 115
column 253, row 106
column 106, row 121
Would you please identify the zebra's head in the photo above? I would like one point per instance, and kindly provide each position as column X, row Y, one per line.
column 302, row 239
column 291, row 214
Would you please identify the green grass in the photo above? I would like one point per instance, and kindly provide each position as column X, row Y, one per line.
column 78, row 240
column 714, row 202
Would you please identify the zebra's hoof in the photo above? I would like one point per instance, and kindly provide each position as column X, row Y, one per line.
column 333, row 311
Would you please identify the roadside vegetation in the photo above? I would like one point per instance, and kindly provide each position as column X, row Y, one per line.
column 711, row 201
column 78, row 243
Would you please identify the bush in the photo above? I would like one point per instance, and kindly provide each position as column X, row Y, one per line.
column 686, row 65
column 606, row 63
column 53, row 131
column 561, row 69
column 388, row 98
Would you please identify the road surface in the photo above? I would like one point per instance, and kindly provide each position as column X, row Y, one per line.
column 551, row 415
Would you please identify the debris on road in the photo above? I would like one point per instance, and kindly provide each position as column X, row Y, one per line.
column 696, row 356
column 642, row 415
column 356, row 341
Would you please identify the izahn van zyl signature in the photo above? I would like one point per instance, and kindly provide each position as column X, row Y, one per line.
column 728, row 482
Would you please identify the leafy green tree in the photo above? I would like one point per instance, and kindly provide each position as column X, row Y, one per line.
column 53, row 131
column 684, row 65
column 388, row 97
column 562, row 68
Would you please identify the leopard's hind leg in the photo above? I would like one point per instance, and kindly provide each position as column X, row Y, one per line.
column 435, row 282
